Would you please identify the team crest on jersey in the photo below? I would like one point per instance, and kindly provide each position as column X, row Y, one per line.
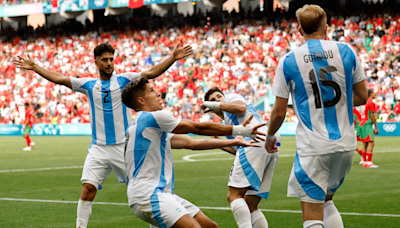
column 97, row 87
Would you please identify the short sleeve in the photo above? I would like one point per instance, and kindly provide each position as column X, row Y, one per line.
column 281, row 84
column 358, row 70
column 234, row 97
column 131, row 76
column 81, row 84
column 166, row 121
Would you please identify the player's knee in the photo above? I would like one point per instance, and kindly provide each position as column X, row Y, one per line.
column 328, row 197
column 89, row 188
column 252, row 208
column 230, row 197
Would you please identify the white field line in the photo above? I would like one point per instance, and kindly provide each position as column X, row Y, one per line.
column 205, row 208
column 187, row 158
column 40, row 169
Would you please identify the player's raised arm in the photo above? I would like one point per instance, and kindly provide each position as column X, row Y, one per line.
column 235, row 107
column 29, row 64
column 182, row 141
column 215, row 100
column 207, row 128
column 179, row 53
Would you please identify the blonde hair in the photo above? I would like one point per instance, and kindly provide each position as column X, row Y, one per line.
column 311, row 18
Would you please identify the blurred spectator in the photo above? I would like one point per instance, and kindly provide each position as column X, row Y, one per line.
column 238, row 55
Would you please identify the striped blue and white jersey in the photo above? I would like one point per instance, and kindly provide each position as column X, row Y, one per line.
column 232, row 119
column 148, row 157
column 320, row 76
column 109, row 117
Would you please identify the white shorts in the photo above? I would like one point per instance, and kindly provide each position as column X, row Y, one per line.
column 164, row 209
column 99, row 163
column 314, row 177
column 253, row 167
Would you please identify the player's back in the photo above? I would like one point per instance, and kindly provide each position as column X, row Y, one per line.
column 319, row 75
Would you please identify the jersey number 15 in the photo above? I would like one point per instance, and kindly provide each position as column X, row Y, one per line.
column 329, row 83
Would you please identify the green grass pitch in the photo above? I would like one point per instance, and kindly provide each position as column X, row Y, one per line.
column 365, row 191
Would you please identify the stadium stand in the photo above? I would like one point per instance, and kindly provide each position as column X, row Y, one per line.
column 237, row 55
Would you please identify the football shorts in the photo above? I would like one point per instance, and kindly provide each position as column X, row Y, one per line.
column 99, row 163
column 164, row 209
column 27, row 131
column 253, row 167
column 314, row 177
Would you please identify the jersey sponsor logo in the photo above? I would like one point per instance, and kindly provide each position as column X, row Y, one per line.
column 389, row 127
column 317, row 56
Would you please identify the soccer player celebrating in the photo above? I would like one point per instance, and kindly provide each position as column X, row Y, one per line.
column 149, row 160
column 28, row 127
column 109, row 118
column 367, row 131
column 325, row 79
column 251, row 175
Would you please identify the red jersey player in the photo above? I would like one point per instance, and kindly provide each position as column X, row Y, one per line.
column 28, row 127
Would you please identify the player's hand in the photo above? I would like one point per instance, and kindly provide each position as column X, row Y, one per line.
column 209, row 106
column 180, row 53
column 270, row 145
column 244, row 143
column 23, row 128
column 376, row 131
column 24, row 63
column 255, row 128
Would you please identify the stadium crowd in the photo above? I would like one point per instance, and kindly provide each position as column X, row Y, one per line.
column 238, row 57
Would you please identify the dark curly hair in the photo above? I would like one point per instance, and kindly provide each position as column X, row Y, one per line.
column 103, row 48
column 132, row 91
column 211, row 91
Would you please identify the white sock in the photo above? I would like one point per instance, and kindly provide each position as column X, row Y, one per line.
column 241, row 212
column 258, row 219
column 313, row 224
column 332, row 218
column 84, row 211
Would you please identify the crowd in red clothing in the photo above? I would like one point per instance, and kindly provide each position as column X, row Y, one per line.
column 237, row 57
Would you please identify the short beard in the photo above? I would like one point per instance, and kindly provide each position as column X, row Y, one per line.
column 104, row 73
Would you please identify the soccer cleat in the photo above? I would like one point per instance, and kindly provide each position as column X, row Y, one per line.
column 361, row 162
column 32, row 144
column 370, row 165
column 373, row 166
column 27, row 148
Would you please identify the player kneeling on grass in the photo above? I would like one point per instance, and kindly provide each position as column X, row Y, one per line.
column 251, row 175
column 149, row 160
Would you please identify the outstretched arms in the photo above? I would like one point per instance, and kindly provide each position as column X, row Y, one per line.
column 234, row 107
column 157, row 70
column 183, row 141
column 213, row 129
column 29, row 64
